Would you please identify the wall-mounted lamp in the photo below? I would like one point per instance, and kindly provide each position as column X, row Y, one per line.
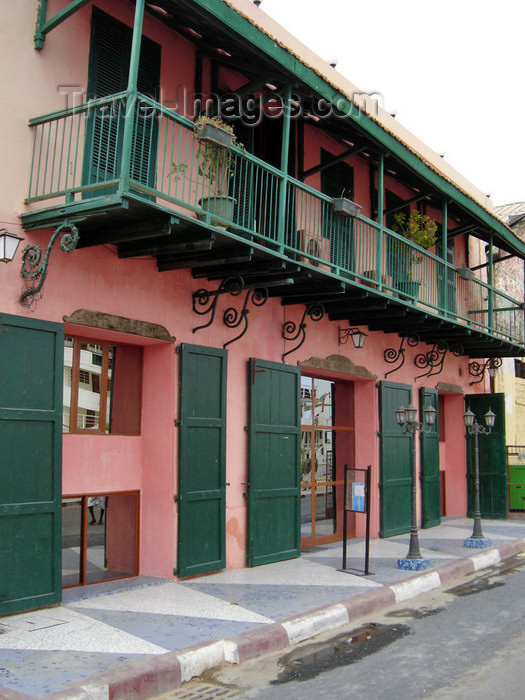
column 475, row 369
column 9, row 243
column 257, row 2
column 358, row 337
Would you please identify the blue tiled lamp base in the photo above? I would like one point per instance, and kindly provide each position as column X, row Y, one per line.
column 414, row 564
column 477, row 542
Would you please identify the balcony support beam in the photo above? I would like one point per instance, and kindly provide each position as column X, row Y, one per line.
column 491, row 282
column 127, row 139
column 444, row 250
column 285, row 152
column 380, row 218
column 407, row 203
column 333, row 161
column 43, row 26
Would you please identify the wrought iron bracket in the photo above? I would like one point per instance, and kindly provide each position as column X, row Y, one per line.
column 434, row 359
column 233, row 318
column 292, row 331
column 475, row 369
column 205, row 302
column 393, row 356
column 35, row 268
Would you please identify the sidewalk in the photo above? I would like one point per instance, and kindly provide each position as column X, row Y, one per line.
column 133, row 638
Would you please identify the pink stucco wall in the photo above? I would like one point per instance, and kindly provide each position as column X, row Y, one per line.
column 97, row 279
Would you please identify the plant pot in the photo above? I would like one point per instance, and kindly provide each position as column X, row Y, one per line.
column 465, row 273
column 212, row 134
column 345, row 207
column 219, row 206
column 409, row 287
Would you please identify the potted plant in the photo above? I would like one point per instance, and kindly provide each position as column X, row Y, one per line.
column 345, row 206
column 465, row 272
column 215, row 138
column 419, row 229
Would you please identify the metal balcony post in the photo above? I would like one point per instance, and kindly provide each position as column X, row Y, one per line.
column 490, row 319
column 131, row 99
column 285, row 152
column 380, row 219
column 444, row 255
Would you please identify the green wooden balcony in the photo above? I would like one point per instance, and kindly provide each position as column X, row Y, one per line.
column 131, row 172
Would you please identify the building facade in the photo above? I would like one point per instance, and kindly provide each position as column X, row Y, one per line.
column 178, row 324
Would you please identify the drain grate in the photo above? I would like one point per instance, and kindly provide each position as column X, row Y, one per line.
column 200, row 691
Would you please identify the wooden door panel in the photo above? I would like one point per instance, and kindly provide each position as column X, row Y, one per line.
column 31, row 353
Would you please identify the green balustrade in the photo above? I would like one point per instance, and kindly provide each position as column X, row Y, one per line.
column 77, row 156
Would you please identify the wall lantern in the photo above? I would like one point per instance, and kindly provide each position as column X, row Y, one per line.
column 358, row 337
column 477, row 539
column 475, row 369
column 9, row 243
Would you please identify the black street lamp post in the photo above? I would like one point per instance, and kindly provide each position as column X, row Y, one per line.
column 477, row 539
column 406, row 418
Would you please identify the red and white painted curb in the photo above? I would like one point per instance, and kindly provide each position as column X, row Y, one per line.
column 170, row 670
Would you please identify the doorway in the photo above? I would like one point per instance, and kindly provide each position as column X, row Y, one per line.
column 99, row 538
column 327, row 445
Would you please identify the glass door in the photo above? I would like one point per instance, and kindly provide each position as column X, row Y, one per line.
column 327, row 444
column 99, row 538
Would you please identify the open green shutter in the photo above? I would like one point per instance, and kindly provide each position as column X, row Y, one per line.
column 396, row 462
column 492, row 458
column 274, row 462
column 430, row 478
column 202, row 462
column 31, row 354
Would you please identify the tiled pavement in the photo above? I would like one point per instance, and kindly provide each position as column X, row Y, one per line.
column 111, row 626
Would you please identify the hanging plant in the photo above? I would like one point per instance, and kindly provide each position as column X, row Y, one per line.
column 215, row 138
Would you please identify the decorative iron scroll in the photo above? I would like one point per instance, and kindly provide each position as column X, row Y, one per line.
column 291, row 331
column 35, row 268
column 475, row 369
column 233, row 318
column 204, row 302
column 434, row 359
column 392, row 356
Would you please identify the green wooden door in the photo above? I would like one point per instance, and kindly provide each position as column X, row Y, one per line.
column 110, row 52
column 492, row 458
column 202, row 460
column 31, row 355
column 274, row 463
column 396, row 462
column 430, row 479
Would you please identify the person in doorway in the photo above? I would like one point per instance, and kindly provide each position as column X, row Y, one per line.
column 94, row 501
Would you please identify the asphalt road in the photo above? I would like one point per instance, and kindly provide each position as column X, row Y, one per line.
column 463, row 642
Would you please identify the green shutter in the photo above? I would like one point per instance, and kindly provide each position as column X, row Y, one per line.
column 274, row 462
column 202, row 462
column 430, row 478
column 447, row 290
column 492, row 458
column 31, row 354
column 109, row 58
column 396, row 462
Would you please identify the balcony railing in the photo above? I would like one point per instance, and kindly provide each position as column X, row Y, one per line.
column 80, row 154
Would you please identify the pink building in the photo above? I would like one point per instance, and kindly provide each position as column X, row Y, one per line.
column 178, row 324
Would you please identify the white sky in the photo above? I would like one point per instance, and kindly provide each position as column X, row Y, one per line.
column 452, row 70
